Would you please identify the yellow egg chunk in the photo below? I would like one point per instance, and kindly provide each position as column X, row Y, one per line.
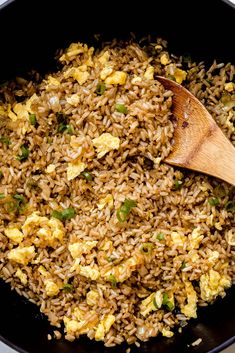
column 74, row 169
column 213, row 284
column 116, row 78
column 104, row 58
column 22, row 255
column 105, row 72
column 92, row 297
column 107, row 200
column 51, row 288
column 50, row 232
column 195, row 238
column 136, row 79
column 147, row 305
column 229, row 86
column 79, row 248
column 180, row 75
column 167, row 333
column 178, row 239
column 190, row 309
column 73, row 100
column 149, row 73
column 80, row 74
column 14, row 234
column 51, row 81
column 105, row 143
column 50, row 168
column 164, row 59
column 22, row 276
column 104, row 327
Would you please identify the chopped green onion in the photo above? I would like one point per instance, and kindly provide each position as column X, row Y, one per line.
column 18, row 203
column 64, row 215
column 109, row 259
column 230, row 206
column 5, row 140
column 121, row 108
column 68, row 287
column 24, row 153
column 160, row 236
column 32, row 119
column 219, row 191
column 170, row 306
column 65, row 128
column 87, row 175
column 2, row 196
column 125, row 209
column 183, row 265
column 214, row 201
column 171, row 77
column 177, row 184
column 100, row 88
column 165, row 299
column 146, row 248
column 113, row 281
column 19, row 198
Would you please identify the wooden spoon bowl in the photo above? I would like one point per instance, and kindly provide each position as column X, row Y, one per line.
column 199, row 144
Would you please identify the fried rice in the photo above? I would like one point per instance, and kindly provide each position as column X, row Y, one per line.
column 107, row 239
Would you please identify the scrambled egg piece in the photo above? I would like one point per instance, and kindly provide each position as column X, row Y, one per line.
column 105, row 143
column 229, row 86
column 231, row 237
column 195, row 238
column 104, row 58
column 149, row 73
column 22, row 276
column 51, row 288
column 151, row 303
column 178, row 239
column 104, row 327
column 79, row 248
column 116, row 78
column 213, row 284
column 50, row 232
column 74, row 169
column 50, row 168
column 124, row 270
column 21, row 110
column 107, row 245
column 75, row 49
column 193, row 256
column 107, row 200
column 43, row 271
column 190, row 309
column 52, row 81
column 214, row 255
column 167, row 333
column 14, row 234
column 22, row 255
column 92, row 297
column 91, row 272
column 80, row 74
column 164, row 59
column 136, row 79
column 180, row 75
column 80, row 324
column 73, row 100
column 105, row 72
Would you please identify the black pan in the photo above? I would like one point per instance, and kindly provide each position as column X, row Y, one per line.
column 30, row 32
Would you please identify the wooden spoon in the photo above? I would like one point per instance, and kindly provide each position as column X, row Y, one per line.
column 199, row 144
